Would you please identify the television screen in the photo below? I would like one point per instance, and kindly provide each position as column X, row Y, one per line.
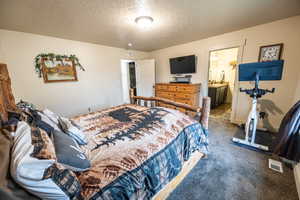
column 183, row 65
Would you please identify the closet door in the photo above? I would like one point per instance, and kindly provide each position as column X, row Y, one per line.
column 145, row 77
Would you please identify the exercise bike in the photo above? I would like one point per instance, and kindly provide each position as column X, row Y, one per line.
column 265, row 71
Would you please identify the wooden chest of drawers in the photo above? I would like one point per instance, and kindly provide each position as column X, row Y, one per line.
column 183, row 93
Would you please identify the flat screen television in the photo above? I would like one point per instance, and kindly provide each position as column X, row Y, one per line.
column 183, row 65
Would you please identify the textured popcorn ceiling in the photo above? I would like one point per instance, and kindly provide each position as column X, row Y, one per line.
column 111, row 22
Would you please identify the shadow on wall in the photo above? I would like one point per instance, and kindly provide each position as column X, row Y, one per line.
column 268, row 107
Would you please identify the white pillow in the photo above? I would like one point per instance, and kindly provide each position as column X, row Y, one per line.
column 53, row 116
column 68, row 127
column 48, row 120
column 73, row 131
column 28, row 171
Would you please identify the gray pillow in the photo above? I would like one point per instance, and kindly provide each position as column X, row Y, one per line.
column 69, row 153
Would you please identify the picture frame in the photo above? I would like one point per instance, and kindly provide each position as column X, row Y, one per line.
column 58, row 70
column 270, row 52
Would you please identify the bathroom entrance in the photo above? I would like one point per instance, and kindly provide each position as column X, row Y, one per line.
column 222, row 73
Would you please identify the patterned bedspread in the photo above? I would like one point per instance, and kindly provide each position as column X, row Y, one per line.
column 135, row 150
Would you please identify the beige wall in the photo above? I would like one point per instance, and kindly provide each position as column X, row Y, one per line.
column 98, row 87
column 250, row 39
column 297, row 92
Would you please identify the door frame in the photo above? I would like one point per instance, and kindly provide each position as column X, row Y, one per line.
column 241, row 46
column 125, row 82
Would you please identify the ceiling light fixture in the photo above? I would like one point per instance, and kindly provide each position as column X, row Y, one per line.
column 144, row 21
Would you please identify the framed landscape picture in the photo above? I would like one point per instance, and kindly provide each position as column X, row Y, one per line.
column 58, row 70
column 270, row 52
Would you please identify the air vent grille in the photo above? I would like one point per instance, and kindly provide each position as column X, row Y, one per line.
column 275, row 165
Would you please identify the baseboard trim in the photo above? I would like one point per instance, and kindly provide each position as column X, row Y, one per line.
column 297, row 178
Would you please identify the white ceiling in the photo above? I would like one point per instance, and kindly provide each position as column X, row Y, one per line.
column 111, row 22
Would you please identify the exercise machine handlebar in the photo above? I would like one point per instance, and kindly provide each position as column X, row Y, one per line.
column 266, row 90
column 256, row 92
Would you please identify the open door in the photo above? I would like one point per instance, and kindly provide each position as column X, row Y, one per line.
column 145, row 77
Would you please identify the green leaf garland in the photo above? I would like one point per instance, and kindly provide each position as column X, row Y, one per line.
column 51, row 56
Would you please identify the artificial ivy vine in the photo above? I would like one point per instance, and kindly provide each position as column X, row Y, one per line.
column 51, row 56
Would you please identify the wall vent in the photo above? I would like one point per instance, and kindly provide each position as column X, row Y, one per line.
column 275, row 165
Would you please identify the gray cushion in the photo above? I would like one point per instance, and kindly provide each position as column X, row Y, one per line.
column 69, row 153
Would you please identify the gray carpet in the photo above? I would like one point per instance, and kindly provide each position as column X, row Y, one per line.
column 233, row 172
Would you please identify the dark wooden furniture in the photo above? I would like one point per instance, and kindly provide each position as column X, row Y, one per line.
column 218, row 94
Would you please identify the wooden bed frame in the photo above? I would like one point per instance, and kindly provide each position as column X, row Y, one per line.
column 7, row 104
column 201, row 113
column 7, row 100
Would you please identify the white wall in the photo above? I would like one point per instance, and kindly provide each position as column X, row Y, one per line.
column 98, row 87
column 286, row 31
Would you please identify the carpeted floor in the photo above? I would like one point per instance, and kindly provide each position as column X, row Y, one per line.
column 232, row 172
column 223, row 111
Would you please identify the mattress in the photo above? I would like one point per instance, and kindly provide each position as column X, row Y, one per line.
column 135, row 151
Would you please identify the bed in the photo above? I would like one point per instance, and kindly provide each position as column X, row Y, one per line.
column 137, row 150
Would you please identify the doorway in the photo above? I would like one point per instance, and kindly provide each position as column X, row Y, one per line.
column 132, row 77
column 221, row 81
column 138, row 75
column 128, row 78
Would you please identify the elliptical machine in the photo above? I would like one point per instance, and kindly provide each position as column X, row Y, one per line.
column 259, row 71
